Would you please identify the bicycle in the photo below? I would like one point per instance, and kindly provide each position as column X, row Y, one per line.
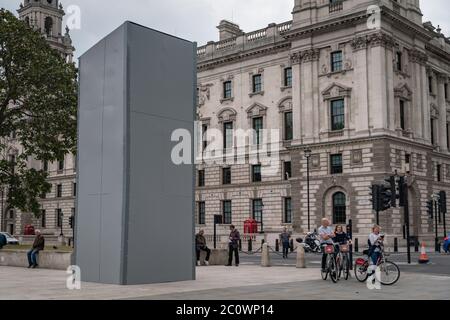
column 343, row 261
column 331, row 267
column 390, row 272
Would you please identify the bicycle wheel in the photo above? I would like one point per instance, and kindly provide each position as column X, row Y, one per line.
column 334, row 270
column 390, row 273
column 361, row 272
column 327, row 270
column 346, row 267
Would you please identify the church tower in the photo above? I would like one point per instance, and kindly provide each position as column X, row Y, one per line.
column 46, row 16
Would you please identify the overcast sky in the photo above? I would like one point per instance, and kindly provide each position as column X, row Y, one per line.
column 194, row 20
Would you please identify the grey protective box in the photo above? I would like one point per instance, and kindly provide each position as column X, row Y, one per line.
column 135, row 208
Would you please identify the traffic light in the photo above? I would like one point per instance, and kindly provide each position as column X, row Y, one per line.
column 375, row 197
column 393, row 190
column 402, row 191
column 385, row 198
column 430, row 208
column 71, row 221
column 443, row 202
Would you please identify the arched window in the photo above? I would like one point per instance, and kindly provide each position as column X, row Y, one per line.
column 339, row 208
column 48, row 26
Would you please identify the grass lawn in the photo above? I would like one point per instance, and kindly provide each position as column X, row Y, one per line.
column 47, row 248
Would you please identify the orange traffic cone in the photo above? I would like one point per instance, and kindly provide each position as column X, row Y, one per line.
column 423, row 255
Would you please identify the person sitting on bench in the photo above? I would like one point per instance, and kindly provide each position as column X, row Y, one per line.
column 200, row 245
column 38, row 245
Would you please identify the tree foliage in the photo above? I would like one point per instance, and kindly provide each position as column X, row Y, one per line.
column 38, row 105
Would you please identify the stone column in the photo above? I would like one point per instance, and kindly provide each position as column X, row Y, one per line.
column 360, row 101
column 296, row 98
column 308, row 95
column 415, row 58
column 378, row 97
column 442, row 113
column 425, row 104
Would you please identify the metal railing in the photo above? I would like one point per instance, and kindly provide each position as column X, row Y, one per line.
column 336, row 6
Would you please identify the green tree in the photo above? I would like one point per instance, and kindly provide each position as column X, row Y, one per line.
column 38, row 106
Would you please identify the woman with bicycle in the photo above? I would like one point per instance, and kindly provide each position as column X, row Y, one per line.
column 340, row 236
column 375, row 248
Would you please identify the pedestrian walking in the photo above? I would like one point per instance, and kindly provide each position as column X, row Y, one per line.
column 285, row 238
column 233, row 246
column 38, row 245
column 200, row 245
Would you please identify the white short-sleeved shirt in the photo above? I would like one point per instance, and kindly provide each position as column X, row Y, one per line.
column 325, row 232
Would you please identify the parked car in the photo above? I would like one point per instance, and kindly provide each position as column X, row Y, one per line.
column 10, row 239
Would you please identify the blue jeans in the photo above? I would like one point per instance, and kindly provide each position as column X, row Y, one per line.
column 32, row 257
column 374, row 257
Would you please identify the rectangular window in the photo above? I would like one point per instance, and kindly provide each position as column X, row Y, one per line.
column 201, row 213
column 337, row 115
column 226, row 176
column 336, row 164
column 438, row 173
column 287, row 210
column 59, row 191
column 11, row 214
column 258, row 129
column 227, row 213
column 227, row 92
column 45, row 166
column 60, row 165
column 288, row 77
column 257, row 210
column 43, row 219
column 257, row 83
column 204, row 136
column 287, row 170
column 74, row 189
column 59, row 218
column 201, row 178
column 336, row 61
column 398, row 61
column 430, row 84
column 402, row 115
column 288, row 126
column 256, row 173
column 228, row 135
column 433, row 140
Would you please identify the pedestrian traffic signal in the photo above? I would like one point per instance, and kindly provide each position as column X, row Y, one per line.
column 385, row 198
column 443, row 202
column 375, row 193
column 71, row 221
column 402, row 192
column 430, row 208
column 392, row 188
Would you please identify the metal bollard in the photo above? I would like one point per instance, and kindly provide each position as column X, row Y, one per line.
column 277, row 245
column 291, row 244
column 240, row 245
column 395, row 245
column 416, row 246
column 356, row 245
column 250, row 245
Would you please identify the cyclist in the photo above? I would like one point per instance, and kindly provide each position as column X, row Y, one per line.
column 375, row 247
column 326, row 236
column 341, row 237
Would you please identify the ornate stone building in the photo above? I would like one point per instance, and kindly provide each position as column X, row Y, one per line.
column 365, row 90
column 57, row 206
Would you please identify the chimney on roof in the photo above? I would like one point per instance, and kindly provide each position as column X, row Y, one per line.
column 228, row 30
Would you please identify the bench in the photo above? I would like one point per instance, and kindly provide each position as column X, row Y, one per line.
column 47, row 259
column 219, row 257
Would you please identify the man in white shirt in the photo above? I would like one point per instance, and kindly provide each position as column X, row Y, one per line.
column 326, row 235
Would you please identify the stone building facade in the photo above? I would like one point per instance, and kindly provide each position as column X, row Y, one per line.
column 364, row 88
column 57, row 206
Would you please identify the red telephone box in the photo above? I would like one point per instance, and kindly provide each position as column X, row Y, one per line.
column 29, row 230
column 250, row 228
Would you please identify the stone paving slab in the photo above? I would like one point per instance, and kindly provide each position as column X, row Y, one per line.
column 221, row 283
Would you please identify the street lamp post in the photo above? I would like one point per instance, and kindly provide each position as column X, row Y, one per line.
column 262, row 221
column 2, row 219
column 308, row 153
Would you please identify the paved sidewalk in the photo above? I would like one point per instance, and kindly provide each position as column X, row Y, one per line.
column 224, row 283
